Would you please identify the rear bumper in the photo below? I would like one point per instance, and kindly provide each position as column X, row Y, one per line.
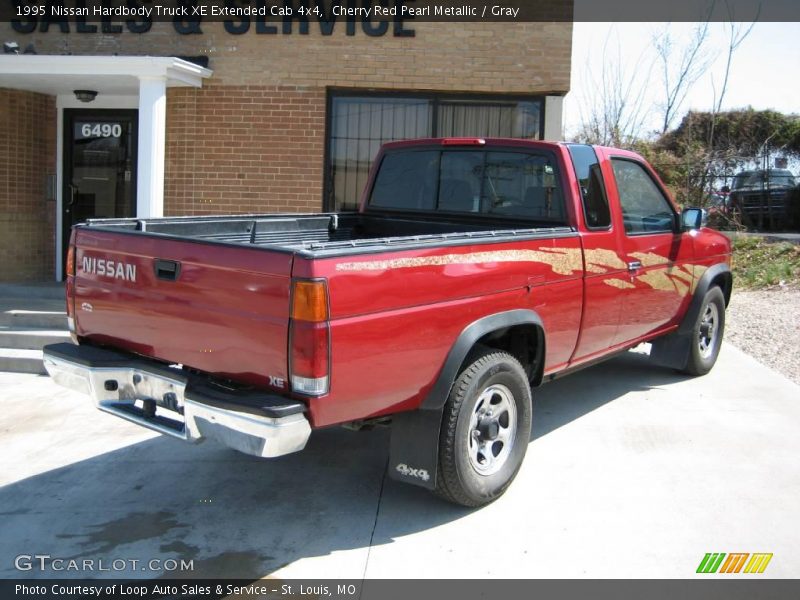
column 168, row 401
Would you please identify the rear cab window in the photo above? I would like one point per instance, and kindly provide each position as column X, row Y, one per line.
column 593, row 192
column 493, row 181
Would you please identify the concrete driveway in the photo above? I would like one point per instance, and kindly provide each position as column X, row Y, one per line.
column 632, row 471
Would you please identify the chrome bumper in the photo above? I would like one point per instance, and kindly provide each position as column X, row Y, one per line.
column 163, row 399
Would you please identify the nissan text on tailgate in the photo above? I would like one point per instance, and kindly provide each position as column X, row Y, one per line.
column 474, row 271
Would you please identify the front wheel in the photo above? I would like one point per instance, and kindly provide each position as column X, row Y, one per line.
column 706, row 337
column 485, row 429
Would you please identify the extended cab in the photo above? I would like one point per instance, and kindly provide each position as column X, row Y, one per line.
column 475, row 270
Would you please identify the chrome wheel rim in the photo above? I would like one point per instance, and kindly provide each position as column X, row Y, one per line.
column 709, row 329
column 492, row 429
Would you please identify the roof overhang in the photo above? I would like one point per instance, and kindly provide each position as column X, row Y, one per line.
column 117, row 75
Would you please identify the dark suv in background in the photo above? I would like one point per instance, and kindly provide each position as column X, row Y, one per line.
column 765, row 199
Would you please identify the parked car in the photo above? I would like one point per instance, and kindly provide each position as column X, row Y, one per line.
column 475, row 270
column 760, row 198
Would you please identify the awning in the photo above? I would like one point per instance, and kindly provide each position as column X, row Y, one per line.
column 113, row 75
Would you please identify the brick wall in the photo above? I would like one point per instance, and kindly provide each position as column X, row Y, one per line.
column 479, row 57
column 27, row 157
column 252, row 139
column 234, row 149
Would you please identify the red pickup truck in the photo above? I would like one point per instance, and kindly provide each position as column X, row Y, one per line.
column 475, row 270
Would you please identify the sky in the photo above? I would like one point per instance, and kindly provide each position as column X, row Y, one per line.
column 765, row 71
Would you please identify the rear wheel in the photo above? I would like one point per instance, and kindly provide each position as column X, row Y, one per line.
column 485, row 429
column 706, row 337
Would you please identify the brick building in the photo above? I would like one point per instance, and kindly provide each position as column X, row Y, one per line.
column 109, row 120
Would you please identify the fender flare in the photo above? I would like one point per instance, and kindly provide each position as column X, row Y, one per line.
column 414, row 449
column 466, row 341
column 672, row 350
column 700, row 291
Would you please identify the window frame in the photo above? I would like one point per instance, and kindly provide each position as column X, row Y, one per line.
column 436, row 98
column 552, row 156
column 664, row 195
column 604, row 190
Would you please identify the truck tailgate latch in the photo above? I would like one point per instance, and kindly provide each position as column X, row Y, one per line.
column 168, row 270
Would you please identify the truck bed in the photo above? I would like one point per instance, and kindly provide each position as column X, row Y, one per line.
column 213, row 293
column 327, row 234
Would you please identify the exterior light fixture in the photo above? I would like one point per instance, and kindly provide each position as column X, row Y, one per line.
column 85, row 95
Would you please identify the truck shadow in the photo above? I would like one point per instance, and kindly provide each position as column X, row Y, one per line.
column 557, row 403
column 238, row 516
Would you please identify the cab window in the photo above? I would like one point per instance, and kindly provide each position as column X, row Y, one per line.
column 593, row 192
column 645, row 209
column 502, row 183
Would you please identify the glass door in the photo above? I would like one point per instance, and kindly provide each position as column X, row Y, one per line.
column 99, row 166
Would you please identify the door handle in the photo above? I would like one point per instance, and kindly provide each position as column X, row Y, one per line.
column 168, row 270
column 634, row 266
column 72, row 191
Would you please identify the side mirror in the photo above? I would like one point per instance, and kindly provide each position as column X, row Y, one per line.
column 693, row 218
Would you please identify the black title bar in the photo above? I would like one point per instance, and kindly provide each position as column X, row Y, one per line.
column 717, row 588
column 34, row 12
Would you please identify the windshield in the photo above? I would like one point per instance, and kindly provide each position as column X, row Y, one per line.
column 778, row 178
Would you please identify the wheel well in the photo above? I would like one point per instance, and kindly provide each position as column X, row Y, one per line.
column 725, row 282
column 524, row 342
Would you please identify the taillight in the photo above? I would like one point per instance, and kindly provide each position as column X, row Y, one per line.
column 71, row 261
column 70, row 292
column 309, row 360
column 310, row 301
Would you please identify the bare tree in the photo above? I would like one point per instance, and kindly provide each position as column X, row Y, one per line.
column 616, row 112
column 737, row 33
column 681, row 67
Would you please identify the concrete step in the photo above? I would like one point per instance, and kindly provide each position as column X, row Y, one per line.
column 48, row 290
column 17, row 360
column 26, row 318
column 30, row 338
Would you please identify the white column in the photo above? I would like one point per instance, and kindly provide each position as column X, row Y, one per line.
column 152, row 145
column 553, row 118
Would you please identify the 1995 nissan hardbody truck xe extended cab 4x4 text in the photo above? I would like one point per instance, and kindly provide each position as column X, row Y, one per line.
column 475, row 270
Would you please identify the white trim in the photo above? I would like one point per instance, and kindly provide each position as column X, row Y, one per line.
column 103, row 101
column 59, row 198
column 554, row 118
column 180, row 73
column 152, row 143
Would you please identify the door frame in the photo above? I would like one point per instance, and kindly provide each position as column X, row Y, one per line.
column 65, row 142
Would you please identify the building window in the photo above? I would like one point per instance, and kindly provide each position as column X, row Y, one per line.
column 359, row 124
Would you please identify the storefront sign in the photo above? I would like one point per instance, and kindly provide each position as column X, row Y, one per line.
column 238, row 16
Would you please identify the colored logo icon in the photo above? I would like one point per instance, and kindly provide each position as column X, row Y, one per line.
column 736, row 562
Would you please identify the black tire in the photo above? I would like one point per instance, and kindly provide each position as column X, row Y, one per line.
column 495, row 382
column 704, row 343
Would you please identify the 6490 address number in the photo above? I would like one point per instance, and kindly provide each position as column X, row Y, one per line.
column 105, row 130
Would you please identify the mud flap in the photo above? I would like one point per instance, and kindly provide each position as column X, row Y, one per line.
column 414, row 452
column 671, row 351
column 414, row 449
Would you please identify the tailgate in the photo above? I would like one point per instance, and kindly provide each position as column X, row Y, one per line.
column 216, row 308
